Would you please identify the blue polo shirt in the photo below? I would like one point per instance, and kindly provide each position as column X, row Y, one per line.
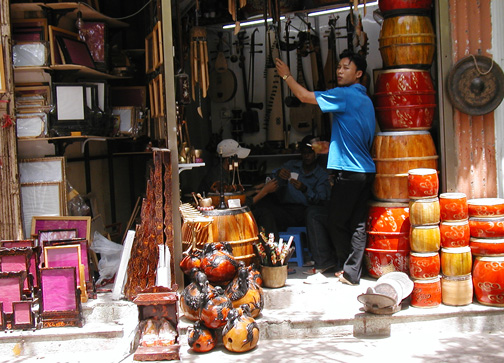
column 353, row 127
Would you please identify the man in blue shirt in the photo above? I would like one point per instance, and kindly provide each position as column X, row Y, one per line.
column 352, row 133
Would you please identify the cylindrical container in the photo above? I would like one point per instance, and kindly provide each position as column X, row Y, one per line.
column 487, row 246
column 388, row 240
column 488, row 280
column 424, row 265
column 486, row 207
column 453, row 207
column 425, row 238
column 405, row 99
column 236, row 226
column 407, row 41
column 274, row 276
column 454, row 234
column 396, row 152
column 456, row 261
column 393, row 7
column 423, row 183
column 380, row 262
column 388, row 217
column 488, row 227
column 457, row 290
column 424, row 211
column 426, row 293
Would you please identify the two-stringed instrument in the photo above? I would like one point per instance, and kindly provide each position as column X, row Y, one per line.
column 223, row 83
column 331, row 64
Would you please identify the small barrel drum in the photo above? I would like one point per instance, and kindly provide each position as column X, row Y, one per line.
column 425, row 238
column 380, row 262
column 453, row 207
column 454, row 234
column 424, row 211
column 486, row 207
column 457, row 290
column 426, row 293
column 456, row 261
column 487, row 246
column 488, row 227
column 424, row 265
column 388, row 217
column 407, row 41
column 488, row 280
column 423, row 183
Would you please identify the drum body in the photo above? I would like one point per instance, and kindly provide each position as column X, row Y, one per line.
column 404, row 6
column 404, row 99
column 486, row 207
column 380, row 262
column 424, row 265
column 456, row 261
column 488, row 280
column 488, row 227
column 236, row 226
column 487, row 246
column 454, row 234
column 426, row 293
column 457, row 290
column 425, row 238
column 423, row 183
column 394, row 154
column 453, row 207
column 424, row 211
column 407, row 41
column 388, row 217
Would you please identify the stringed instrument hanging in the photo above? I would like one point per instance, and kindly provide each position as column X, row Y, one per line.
column 223, row 82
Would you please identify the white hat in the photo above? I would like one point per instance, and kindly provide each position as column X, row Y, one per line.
column 230, row 147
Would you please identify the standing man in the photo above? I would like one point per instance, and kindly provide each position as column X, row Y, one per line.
column 353, row 129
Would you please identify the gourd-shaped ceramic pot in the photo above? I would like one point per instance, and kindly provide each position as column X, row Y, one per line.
column 255, row 274
column 218, row 262
column 190, row 261
column 241, row 332
column 200, row 338
column 243, row 290
column 216, row 308
column 193, row 296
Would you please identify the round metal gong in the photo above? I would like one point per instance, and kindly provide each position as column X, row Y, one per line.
column 476, row 85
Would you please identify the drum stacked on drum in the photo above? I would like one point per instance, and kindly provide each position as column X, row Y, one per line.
column 425, row 240
column 486, row 223
column 456, row 281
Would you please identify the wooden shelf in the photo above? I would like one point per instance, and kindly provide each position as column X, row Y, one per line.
column 88, row 13
column 81, row 71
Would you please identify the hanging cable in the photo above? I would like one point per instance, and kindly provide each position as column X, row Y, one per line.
column 132, row 15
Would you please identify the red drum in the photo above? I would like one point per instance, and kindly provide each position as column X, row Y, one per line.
column 424, row 265
column 456, row 290
column 454, row 234
column 407, row 41
column 456, row 261
column 426, row 293
column 380, row 262
column 415, row 117
column 404, row 6
column 487, row 246
column 423, row 183
column 388, row 240
column 491, row 227
column 425, row 238
column 486, row 207
column 453, row 206
column 388, row 217
column 488, row 280
column 424, row 211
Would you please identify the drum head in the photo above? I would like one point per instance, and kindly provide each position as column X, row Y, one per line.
column 377, row 301
column 476, row 85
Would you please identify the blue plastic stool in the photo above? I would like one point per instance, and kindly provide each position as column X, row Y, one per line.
column 298, row 251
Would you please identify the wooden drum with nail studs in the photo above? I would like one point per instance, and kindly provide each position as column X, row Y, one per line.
column 426, row 293
column 456, row 261
column 425, row 238
column 488, row 280
column 424, row 265
column 457, row 290
column 423, row 183
column 424, row 211
column 453, row 207
column 454, row 234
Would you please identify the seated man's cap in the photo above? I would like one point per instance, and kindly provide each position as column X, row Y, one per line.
column 230, row 147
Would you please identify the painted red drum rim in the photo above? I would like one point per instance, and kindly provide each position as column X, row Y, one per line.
column 487, row 246
column 388, row 240
column 486, row 207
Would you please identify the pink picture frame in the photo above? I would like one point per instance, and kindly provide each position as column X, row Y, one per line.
column 83, row 249
column 64, row 256
column 81, row 223
column 22, row 315
column 10, row 289
column 59, row 292
column 34, row 259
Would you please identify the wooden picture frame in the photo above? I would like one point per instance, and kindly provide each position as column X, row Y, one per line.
column 22, row 315
column 3, row 84
column 158, row 49
column 154, row 97
column 36, row 26
column 49, row 235
column 150, row 53
column 84, row 249
column 41, row 170
column 11, row 289
column 160, row 89
column 127, row 117
column 17, row 259
column 81, row 223
column 128, row 96
column 3, row 323
column 57, row 56
column 75, row 51
column 60, row 303
column 35, row 257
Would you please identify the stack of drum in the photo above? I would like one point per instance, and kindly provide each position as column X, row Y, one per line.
column 486, row 223
column 456, row 282
column 405, row 102
column 425, row 239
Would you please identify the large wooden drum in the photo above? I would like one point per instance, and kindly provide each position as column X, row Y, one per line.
column 407, row 41
column 236, row 226
column 394, row 154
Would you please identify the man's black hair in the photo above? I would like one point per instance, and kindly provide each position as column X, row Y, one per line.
column 356, row 58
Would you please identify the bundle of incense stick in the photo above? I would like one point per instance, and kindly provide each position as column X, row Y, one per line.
column 272, row 253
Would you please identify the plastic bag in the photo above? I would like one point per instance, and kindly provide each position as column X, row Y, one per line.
column 76, row 204
column 110, row 256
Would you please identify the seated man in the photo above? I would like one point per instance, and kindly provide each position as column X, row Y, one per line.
column 282, row 202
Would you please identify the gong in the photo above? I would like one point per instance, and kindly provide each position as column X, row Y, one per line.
column 475, row 85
